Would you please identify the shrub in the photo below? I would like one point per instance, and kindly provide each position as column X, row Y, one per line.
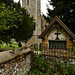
column 40, row 63
column 41, row 67
column 74, row 50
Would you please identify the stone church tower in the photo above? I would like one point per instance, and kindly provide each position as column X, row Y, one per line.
column 30, row 5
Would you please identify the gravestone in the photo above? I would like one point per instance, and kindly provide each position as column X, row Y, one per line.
column 19, row 44
column 4, row 44
column 13, row 40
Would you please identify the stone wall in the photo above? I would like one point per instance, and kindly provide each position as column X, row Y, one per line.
column 20, row 65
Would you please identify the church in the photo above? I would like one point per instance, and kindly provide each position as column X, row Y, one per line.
column 34, row 9
column 55, row 35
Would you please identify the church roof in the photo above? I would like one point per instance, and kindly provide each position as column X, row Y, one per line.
column 61, row 24
column 44, row 21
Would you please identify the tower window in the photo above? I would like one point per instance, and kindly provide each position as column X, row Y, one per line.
column 27, row 2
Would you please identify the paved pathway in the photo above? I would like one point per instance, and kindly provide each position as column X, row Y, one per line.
column 7, row 55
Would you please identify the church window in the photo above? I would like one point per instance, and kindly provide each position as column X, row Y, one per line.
column 27, row 2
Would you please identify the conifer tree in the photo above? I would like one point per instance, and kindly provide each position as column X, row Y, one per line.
column 18, row 23
column 65, row 10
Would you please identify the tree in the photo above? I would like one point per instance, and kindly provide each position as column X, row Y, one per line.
column 65, row 10
column 25, row 27
column 16, row 22
column 25, row 24
column 7, row 19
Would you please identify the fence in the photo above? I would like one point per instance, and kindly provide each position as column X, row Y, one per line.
column 68, row 53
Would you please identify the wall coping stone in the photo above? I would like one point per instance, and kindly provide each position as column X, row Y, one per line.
column 9, row 55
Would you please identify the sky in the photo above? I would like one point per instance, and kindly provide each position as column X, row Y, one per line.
column 43, row 6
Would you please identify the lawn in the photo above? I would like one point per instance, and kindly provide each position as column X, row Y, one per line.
column 16, row 44
column 8, row 46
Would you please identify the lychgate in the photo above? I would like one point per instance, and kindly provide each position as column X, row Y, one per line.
column 57, row 35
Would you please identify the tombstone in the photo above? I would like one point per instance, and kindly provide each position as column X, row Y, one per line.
column 40, row 46
column 19, row 44
column 4, row 44
column 36, row 46
column 13, row 40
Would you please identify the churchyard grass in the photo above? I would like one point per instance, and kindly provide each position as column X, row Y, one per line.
column 8, row 46
column 16, row 44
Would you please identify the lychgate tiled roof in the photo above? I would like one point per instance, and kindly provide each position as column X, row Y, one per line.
column 61, row 24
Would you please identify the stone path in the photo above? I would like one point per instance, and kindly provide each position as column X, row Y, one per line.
column 10, row 54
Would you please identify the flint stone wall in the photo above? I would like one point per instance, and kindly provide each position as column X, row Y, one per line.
column 20, row 65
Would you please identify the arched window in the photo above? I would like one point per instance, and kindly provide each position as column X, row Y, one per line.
column 27, row 2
